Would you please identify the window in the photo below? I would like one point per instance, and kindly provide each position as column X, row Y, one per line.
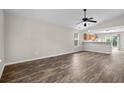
column 75, row 35
column 76, row 39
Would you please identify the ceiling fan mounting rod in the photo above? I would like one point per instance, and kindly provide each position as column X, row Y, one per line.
column 84, row 13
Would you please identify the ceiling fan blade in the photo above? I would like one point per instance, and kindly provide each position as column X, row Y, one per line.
column 80, row 22
column 91, row 21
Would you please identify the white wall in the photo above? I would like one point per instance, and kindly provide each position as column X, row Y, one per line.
column 122, row 41
column 1, row 41
column 30, row 39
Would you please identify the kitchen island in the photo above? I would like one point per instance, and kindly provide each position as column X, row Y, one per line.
column 94, row 46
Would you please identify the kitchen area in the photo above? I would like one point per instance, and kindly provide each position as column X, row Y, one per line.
column 92, row 42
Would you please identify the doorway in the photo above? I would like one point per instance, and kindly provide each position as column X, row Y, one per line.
column 114, row 40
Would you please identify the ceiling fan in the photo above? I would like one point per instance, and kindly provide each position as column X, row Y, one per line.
column 85, row 19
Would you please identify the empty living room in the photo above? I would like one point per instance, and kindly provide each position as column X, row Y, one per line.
column 61, row 45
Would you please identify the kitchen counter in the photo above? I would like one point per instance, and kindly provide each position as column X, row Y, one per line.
column 94, row 46
column 95, row 42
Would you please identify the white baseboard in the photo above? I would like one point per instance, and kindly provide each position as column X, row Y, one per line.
column 26, row 60
column 1, row 72
column 98, row 51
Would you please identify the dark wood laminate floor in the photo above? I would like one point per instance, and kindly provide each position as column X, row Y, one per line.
column 81, row 67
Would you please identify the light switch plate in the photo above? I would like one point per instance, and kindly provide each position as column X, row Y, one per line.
column 0, row 60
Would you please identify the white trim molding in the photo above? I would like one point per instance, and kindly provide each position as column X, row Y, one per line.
column 26, row 60
column 1, row 72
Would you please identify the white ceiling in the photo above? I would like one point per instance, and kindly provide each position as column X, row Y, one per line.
column 66, row 17
column 109, row 30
